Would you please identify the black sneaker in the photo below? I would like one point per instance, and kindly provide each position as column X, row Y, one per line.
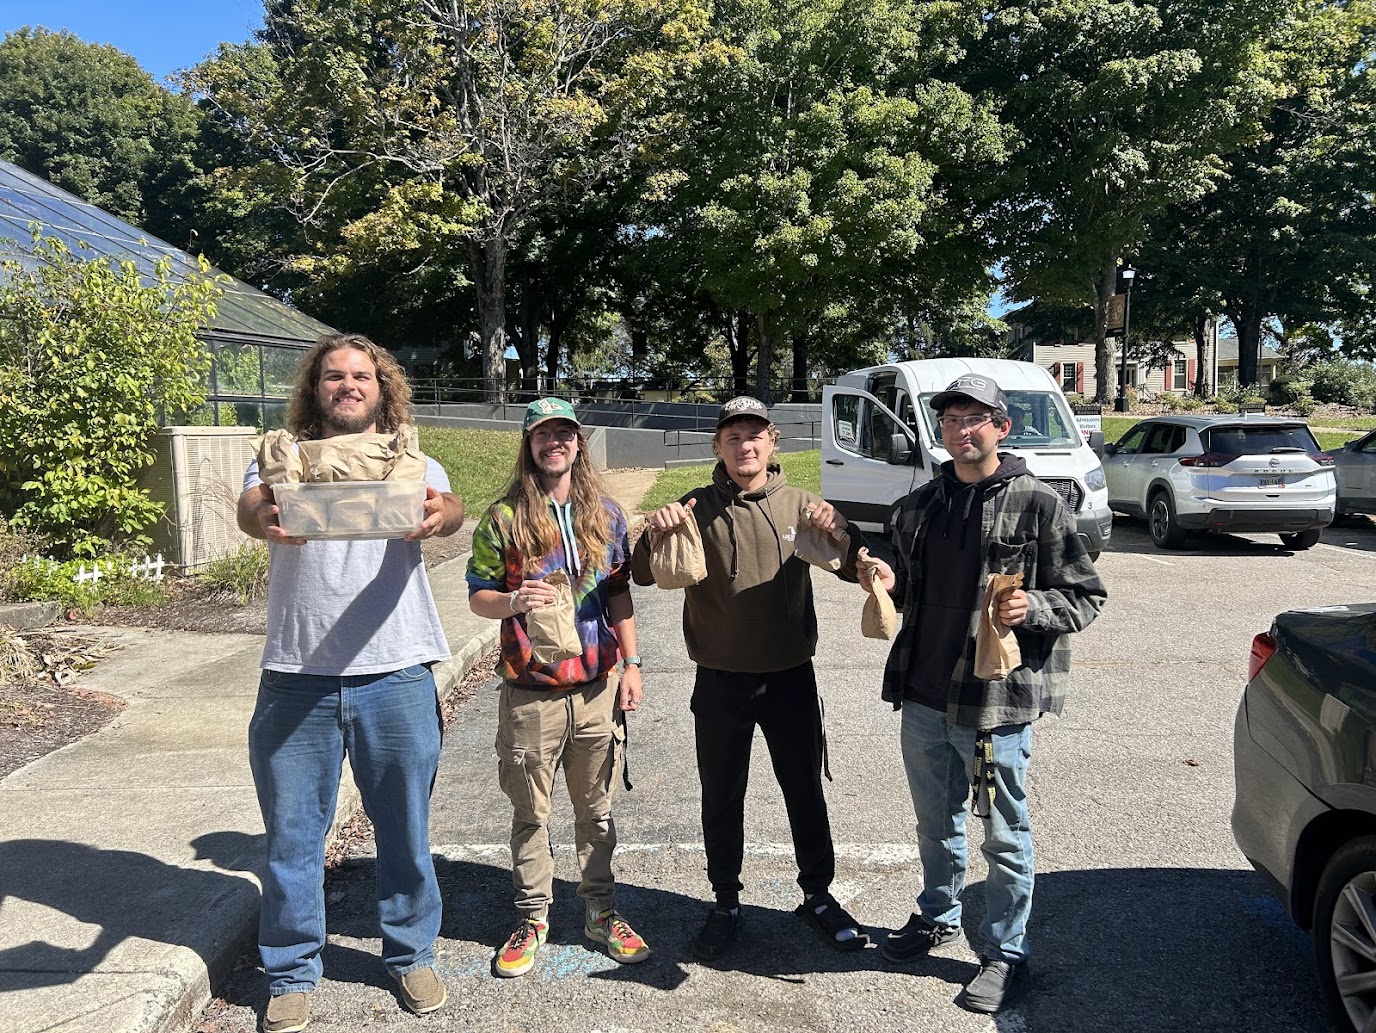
column 718, row 933
column 920, row 936
column 996, row 986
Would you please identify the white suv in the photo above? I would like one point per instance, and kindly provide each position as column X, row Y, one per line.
column 1222, row 473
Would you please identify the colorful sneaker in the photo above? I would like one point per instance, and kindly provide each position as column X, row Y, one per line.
column 517, row 955
column 612, row 932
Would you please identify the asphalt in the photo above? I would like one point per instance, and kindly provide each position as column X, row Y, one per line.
column 128, row 859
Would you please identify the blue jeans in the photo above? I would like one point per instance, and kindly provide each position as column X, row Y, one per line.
column 302, row 728
column 939, row 758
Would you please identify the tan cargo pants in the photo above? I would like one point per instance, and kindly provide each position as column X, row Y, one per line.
column 539, row 730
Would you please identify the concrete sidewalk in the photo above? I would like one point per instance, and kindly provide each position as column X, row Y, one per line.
column 128, row 859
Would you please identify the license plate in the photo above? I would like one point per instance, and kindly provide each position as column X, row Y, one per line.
column 1271, row 482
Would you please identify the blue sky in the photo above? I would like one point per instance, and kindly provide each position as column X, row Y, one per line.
column 162, row 35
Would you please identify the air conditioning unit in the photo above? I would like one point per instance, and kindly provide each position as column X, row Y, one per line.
column 198, row 477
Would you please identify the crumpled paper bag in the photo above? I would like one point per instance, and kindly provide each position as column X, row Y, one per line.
column 879, row 616
column 815, row 546
column 551, row 629
column 997, row 654
column 676, row 556
column 346, row 457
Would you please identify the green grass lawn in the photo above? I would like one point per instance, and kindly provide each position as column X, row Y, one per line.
column 803, row 469
column 479, row 462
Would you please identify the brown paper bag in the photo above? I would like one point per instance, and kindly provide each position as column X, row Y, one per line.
column 815, row 546
column 278, row 460
column 553, row 634
column 364, row 457
column 996, row 648
column 676, row 557
column 878, row 618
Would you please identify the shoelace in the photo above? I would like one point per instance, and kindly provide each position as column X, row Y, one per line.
column 617, row 926
column 522, row 937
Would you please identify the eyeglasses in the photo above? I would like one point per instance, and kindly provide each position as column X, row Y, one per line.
column 564, row 434
column 963, row 422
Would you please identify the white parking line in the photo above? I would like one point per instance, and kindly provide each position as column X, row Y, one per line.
column 1347, row 552
column 1164, row 563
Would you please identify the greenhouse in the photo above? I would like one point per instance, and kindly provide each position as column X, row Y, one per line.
column 255, row 340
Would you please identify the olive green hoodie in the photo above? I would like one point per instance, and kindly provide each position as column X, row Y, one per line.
column 753, row 612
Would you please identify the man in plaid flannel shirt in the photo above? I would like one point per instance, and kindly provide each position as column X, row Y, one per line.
column 984, row 514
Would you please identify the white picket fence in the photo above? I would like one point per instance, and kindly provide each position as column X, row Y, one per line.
column 150, row 568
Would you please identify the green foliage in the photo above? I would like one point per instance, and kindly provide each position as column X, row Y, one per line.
column 90, row 355
column 242, row 574
column 1190, row 403
column 479, row 463
column 1288, row 389
column 803, row 469
column 41, row 579
column 1170, row 402
column 88, row 118
column 1344, row 382
column 1303, row 406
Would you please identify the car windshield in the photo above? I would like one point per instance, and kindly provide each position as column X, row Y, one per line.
column 1252, row 441
column 1038, row 421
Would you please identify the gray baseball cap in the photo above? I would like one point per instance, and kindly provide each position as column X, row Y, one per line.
column 974, row 387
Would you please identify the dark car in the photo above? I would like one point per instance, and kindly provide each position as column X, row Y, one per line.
column 1355, row 467
column 1305, row 809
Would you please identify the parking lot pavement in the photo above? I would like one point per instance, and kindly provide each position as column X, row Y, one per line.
column 1146, row 917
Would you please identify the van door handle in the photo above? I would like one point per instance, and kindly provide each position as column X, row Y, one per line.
column 835, row 462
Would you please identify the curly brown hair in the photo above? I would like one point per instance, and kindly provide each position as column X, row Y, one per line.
column 304, row 416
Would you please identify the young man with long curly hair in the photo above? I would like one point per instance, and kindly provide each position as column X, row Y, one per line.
column 352, row 635
column 557, row 517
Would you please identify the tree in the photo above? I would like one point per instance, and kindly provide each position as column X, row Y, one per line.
column 90, row 355
column 1290, row 232
column 433, row 135
column 86, row 117
column 1120, row 109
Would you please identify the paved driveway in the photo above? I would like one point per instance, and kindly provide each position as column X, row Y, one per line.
column 1146, row 917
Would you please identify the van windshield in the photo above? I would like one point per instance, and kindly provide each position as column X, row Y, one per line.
column 1038, row 421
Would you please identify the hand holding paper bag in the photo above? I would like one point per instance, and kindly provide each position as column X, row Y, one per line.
column 553, row 634
column 997, row 654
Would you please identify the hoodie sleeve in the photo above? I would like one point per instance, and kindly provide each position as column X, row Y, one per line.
column 1069, row 593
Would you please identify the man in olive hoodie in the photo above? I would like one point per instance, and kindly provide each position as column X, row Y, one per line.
column 751, row 628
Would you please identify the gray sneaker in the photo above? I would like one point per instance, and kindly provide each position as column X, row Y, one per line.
column 996, row 986
column 918, row 938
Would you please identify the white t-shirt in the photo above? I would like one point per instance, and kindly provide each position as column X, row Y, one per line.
column 351, row 607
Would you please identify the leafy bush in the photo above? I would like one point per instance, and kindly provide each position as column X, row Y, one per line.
column 1287, row 389
column 1303, row 406
column 90, row 355
column 243, row 574
column 1075, row 398
column 1192, row 404
column 1344, row 382
column 1169, row 402
column 39, row 579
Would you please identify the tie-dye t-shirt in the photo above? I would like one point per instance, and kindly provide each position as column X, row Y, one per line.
column 495, row 564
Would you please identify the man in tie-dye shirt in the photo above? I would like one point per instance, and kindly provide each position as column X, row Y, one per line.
column 556, row 516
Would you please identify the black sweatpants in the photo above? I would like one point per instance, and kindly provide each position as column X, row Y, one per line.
column 726, row 708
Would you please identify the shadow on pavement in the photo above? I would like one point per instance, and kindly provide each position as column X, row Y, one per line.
column 123, row 893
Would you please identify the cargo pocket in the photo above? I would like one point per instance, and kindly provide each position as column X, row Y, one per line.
column 513, row 777
column 618, row 753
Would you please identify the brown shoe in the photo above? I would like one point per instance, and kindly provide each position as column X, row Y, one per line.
column 287, row 1013
column 422, row 991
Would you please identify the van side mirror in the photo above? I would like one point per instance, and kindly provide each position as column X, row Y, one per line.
column 1096, row 442
column 902, row 451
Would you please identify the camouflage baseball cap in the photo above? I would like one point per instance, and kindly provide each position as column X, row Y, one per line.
column 542, row 409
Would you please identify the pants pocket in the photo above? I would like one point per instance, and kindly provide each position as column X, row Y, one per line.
column 513, row 777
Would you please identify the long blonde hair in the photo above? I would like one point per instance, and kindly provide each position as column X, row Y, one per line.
column 533, row 530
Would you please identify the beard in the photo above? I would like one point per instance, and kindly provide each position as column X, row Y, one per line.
column 355, row 424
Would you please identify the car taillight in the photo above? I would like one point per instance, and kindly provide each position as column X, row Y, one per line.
column 1208, row 459
column 1263, row 648
column 1322, row 458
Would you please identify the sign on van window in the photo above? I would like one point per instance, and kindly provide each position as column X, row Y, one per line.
column 845, row 432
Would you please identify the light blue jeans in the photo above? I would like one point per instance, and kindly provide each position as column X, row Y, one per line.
column 939, row 758
column 389, row 727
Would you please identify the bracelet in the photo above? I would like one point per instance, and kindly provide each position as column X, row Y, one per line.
column 511, row 601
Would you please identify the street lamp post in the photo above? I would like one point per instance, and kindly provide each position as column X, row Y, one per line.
column 1122, row 404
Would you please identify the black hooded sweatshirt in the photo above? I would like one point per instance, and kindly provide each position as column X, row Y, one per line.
column 950, row 585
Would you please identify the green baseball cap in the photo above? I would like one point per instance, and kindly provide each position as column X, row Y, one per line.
column 542, row 409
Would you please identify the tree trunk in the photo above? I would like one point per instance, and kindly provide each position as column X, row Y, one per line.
column 489, row 279
column 799, row 367
column 738, row 348
column 528, row 340
column 1248, row 324
column 1104, row 376
column 764, row 367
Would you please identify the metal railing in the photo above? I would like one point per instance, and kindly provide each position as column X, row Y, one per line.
column 632, row 390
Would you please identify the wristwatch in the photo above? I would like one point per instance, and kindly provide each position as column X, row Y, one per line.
column 631, row 661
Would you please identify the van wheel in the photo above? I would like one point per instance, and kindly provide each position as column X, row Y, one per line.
column 1166, row 533
column 1301, row 540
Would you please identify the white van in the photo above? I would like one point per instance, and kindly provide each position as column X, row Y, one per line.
column 880, row 440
